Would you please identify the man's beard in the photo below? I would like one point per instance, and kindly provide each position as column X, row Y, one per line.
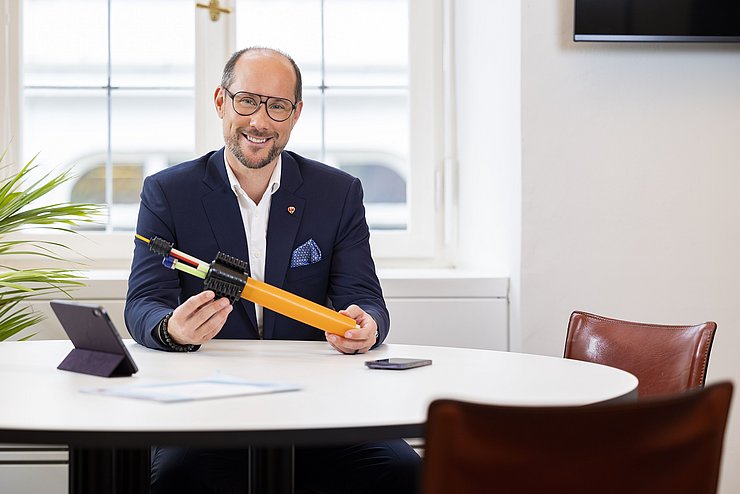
column 233, row 144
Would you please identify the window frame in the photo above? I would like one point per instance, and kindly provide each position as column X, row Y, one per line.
column 423, row 243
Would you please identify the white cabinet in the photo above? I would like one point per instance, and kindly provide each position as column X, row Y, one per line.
column 33, row 469
column 444, row 308
column 427, row 307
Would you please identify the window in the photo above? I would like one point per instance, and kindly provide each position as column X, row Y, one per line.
column 355, row 84
column 118, row 89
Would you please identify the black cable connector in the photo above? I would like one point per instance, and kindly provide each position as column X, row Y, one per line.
column 227, row 277
column 160, row 246
column 232, row 262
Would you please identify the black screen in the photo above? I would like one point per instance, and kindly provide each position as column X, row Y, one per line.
column 657, row 20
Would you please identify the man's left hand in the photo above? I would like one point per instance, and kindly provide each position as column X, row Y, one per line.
column 357, row 340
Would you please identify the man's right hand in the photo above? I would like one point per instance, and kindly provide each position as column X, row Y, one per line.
column 198, row 319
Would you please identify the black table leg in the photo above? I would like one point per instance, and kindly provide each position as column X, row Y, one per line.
column 133, row 470
column 127, row 471
column 110, row 470
column 271, row 470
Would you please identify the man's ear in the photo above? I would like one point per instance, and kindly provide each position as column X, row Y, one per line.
column 297, row 112
column 218, row 101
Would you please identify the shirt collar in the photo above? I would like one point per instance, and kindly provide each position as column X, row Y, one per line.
column 272, row 186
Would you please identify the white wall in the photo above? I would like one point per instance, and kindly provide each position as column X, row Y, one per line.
column 487, row 79
column 630, row 174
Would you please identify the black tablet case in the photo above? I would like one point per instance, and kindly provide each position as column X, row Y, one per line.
column 99, row 349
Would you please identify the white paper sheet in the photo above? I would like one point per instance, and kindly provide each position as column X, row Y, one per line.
column 200, row 389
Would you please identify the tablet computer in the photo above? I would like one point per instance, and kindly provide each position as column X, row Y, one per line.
column 99, row 349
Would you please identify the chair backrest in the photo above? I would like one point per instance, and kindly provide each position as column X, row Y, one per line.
column 669, row 444
column 665, row 359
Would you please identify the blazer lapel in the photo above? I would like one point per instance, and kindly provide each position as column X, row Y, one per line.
column 225, row 219
column 286, row 211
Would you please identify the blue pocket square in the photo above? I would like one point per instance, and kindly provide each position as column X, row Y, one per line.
column 305, row 254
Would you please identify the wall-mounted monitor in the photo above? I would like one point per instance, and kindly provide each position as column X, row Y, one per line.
column 657, row 20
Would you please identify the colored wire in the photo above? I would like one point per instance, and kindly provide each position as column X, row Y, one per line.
column 195, row 262
column 185, row 258
column 189, row 269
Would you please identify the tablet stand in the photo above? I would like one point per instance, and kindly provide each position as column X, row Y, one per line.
column 96, row 363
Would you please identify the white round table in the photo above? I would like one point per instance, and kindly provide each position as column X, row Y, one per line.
column 340, row 400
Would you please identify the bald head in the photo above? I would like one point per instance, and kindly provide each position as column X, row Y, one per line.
column 228, row 75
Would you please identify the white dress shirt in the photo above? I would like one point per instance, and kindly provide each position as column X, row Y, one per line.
column 254, row 218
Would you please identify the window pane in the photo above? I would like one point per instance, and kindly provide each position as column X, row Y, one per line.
column 306, row 136
column 152, row 43
column 367, row 135
column 150, row 130
column 366, row 42
column 292, row 26
column 152, row 120
column 127, row 180
column 65, row 43
column 63, row 125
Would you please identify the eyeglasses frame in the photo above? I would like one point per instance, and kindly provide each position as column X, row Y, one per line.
column 263, row 100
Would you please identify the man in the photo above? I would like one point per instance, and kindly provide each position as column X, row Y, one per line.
column 301, row 225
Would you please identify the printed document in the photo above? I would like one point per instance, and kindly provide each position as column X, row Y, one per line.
column 220, row 386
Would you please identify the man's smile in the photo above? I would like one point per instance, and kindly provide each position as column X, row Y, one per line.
column 255, row 139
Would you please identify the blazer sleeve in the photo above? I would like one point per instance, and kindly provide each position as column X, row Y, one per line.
column 353, row 279
column 153, row 291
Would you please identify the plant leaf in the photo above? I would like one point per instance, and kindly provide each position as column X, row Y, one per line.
column 19, row 211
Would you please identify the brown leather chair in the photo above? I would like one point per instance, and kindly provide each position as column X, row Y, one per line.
column 669, row 444
column 666, row 359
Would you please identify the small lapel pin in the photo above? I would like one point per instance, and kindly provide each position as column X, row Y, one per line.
column 291, row 209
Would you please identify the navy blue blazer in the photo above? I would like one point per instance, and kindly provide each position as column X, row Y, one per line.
column 192, row 205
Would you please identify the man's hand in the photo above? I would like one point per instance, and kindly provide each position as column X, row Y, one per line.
column 198, row 319
column 355, row 340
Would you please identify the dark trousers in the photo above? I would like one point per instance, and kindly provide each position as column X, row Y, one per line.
column 387, row 467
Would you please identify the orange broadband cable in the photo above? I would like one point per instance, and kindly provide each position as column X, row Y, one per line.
column 261, row 293
column 297, row 308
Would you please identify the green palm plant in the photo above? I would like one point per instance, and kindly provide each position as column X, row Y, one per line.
column 18, row 193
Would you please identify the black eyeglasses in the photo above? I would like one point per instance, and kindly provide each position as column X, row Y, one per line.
column 245, row 104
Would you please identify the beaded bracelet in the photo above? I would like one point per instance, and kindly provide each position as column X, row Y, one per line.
column 165, row 337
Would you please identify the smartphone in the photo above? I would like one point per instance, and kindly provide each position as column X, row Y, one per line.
column 397, row 363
